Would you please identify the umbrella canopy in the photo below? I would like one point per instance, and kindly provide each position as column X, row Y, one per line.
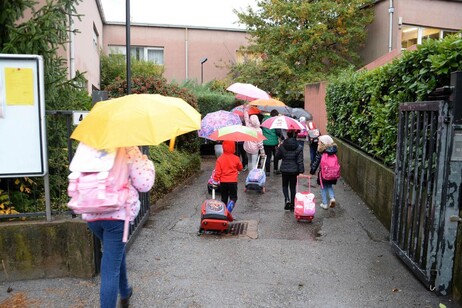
column 237, row 133
column 239, row 110
column 135, row 120
column 282, row 122
column 300, row 112
column 247, row 91
column 267, row 102
column 284, row 110
column 218, row 119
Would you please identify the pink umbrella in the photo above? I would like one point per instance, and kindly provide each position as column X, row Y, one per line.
column 237, row 133
column 282, row 122
column 247, row 91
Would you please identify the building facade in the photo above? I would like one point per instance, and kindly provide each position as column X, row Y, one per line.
column 401, row 24
column 187, row 53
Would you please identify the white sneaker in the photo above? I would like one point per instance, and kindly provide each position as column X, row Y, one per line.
column 324, row 206
column 332, row 202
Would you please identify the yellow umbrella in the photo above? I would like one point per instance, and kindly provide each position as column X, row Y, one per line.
column 136, row 120
column 267, row 102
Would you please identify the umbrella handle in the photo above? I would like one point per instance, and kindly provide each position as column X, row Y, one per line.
column 171, row 146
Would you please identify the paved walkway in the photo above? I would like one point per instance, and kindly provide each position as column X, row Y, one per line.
column 341, row 259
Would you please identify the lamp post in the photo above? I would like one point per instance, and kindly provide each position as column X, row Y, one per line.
column 203, row 60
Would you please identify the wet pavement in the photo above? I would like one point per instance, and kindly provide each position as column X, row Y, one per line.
column 341, row 259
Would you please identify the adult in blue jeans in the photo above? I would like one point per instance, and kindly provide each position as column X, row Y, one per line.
column 109, row 228
column 114, row 278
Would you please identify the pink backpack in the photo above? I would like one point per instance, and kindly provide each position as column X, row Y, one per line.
column 99, row 180
column 329, row 167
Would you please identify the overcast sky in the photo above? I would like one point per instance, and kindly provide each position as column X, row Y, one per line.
column 208, row 13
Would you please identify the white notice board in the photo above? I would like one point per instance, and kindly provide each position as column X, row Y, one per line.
column 22, row 116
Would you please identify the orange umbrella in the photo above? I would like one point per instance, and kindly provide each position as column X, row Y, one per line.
column 267, row 102
column 239, row 110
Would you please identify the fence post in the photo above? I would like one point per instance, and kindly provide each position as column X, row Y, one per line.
column 451, row 189
column 456, row 96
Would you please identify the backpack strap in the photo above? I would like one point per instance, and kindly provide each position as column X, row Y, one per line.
column 73, row 181
column 101, row 177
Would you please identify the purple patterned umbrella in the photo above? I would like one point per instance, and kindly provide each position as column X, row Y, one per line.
column 215, row 120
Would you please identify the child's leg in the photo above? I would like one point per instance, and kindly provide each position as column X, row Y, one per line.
column 293, row 189
column 323, row 194
column 330, row 191
column 224, row 189
column 233, row 192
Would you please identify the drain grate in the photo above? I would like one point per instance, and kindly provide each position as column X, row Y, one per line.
column 244, row 229
column 238, row 228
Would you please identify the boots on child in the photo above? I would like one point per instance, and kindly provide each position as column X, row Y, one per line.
column 287, row 205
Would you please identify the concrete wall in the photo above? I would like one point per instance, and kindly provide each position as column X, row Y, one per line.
column 315, row 103
column 33, row 250
column 373, row 182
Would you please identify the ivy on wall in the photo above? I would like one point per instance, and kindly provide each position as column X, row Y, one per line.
column 362, row 106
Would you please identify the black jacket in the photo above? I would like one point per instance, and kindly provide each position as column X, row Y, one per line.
column 317, row 160
column 291, row 154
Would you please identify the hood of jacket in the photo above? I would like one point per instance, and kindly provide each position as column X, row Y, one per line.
column 330, row 148
column 229, row 147
column 254, row 121
column 290, row 144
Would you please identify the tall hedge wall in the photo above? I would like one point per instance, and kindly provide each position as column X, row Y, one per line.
column 362, row 106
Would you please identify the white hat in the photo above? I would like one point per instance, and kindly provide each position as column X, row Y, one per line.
column 326, row 139
column 302, row 119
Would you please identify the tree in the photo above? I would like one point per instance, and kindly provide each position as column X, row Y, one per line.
column 44, row 33
column 294, row 42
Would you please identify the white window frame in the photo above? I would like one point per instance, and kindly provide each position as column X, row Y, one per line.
column 118, row 49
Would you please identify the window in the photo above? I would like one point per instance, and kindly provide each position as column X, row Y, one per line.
column 95, row 37
column 413, row 35
column 151, row 54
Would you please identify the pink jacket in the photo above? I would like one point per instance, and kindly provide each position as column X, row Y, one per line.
column 252, row 147
column 141, row 178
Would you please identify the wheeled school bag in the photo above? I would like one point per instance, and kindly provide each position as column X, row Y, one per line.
column 256, row 179
column 215, row 216
column 304, row 203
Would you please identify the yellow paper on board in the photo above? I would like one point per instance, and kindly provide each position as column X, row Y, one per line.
column 19, row 86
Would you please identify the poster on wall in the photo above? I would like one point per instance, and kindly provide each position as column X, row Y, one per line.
column 22, row 116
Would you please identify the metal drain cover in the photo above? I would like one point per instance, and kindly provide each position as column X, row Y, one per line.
column 238, row 228
column 245, row 228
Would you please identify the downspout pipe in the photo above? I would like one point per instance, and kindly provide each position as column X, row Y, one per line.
column 128, row 47
column 391, row 10
column 186, row 48
column 71, row 47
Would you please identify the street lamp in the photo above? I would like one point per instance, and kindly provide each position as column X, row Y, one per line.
column 203, row 60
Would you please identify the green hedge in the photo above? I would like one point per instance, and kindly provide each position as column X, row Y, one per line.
column 362, row 106
column 171, row 168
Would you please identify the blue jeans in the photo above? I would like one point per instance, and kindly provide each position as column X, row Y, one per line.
column 113, row 268
column 327, row 189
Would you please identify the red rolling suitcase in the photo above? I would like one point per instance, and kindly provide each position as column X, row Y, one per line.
column 215, row 217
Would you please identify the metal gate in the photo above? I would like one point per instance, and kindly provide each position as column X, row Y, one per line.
column 426, row 193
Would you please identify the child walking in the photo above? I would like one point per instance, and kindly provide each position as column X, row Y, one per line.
column 227, row 170
column 326, row 145
column 291, row 154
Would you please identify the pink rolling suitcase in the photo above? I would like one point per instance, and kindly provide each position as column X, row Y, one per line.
column 304, row 205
